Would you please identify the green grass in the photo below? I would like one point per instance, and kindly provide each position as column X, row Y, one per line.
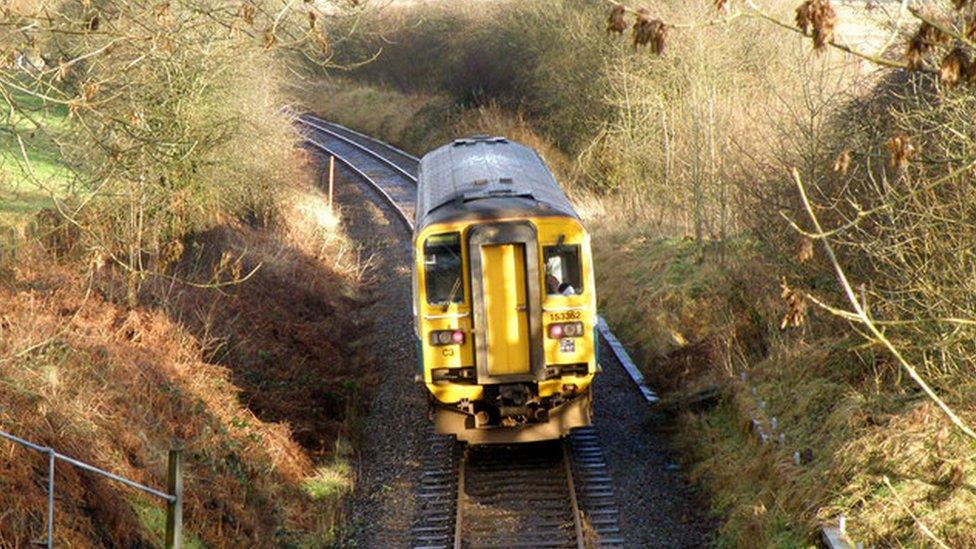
column 153, row 520
column 26, row 186
column 329, row 482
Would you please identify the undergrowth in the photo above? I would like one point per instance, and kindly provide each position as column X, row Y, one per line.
column 833, row 434
column 259, row 382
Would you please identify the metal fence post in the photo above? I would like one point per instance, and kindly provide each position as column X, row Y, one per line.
column 174, row 509
column 50, row 498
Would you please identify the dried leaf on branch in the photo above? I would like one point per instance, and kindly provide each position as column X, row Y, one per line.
column 806, row 250
column 796, row 307
column 649, row 32
column 817, row 18
column 956, row 67
column 247, row 13
column 323, row 42
column 617, row 23
column 88, row 91
column 901, row 150
column 924, row 39
column 720, row 4
column 843, row 162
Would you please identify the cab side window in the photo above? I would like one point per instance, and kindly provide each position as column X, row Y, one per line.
column 563, row 270
column 442, row 269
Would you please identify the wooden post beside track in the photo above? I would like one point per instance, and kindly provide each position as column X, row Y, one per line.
column 331, row 178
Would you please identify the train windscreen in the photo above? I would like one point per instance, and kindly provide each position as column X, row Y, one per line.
column 442, row 269
column 563, row 270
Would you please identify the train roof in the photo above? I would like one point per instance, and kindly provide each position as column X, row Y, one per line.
column 486, row 178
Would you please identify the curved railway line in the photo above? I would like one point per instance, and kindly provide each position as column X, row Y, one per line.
column 552, row 494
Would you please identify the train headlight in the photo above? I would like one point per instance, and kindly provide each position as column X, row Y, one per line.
column 447, row 337
column 565, row 329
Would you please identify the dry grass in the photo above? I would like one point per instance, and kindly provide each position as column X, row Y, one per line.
column 420, row 122
column 695, row 325
column 256, row 381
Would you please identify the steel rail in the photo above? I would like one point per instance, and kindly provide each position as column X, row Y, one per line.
column 577, row 515
column 500, row 475
column 369, row 138
column 401, row 215
column 399, row 169
column 459, row 514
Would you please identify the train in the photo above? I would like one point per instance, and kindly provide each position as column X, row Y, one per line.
column 503, row 295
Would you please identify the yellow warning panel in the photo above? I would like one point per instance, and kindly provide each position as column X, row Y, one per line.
column 506, row 311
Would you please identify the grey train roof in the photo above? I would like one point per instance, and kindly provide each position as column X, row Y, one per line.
column 485, row 178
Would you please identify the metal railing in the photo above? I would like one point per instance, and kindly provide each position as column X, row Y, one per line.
column 174, row 487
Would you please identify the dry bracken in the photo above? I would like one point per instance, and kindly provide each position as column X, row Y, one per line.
column 803, row 17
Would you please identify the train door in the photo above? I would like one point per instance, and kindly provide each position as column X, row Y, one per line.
column 506, row 308
column 505, row 291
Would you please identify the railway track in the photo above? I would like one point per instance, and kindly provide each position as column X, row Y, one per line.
column 553, row 494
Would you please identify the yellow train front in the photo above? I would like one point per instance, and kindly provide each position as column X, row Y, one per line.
column 504, row 298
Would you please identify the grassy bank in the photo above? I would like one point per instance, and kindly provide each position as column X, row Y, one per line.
column 170, row 276
column 260, row 383
column 713, row 324
column 239, row 352
column 27, row 183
